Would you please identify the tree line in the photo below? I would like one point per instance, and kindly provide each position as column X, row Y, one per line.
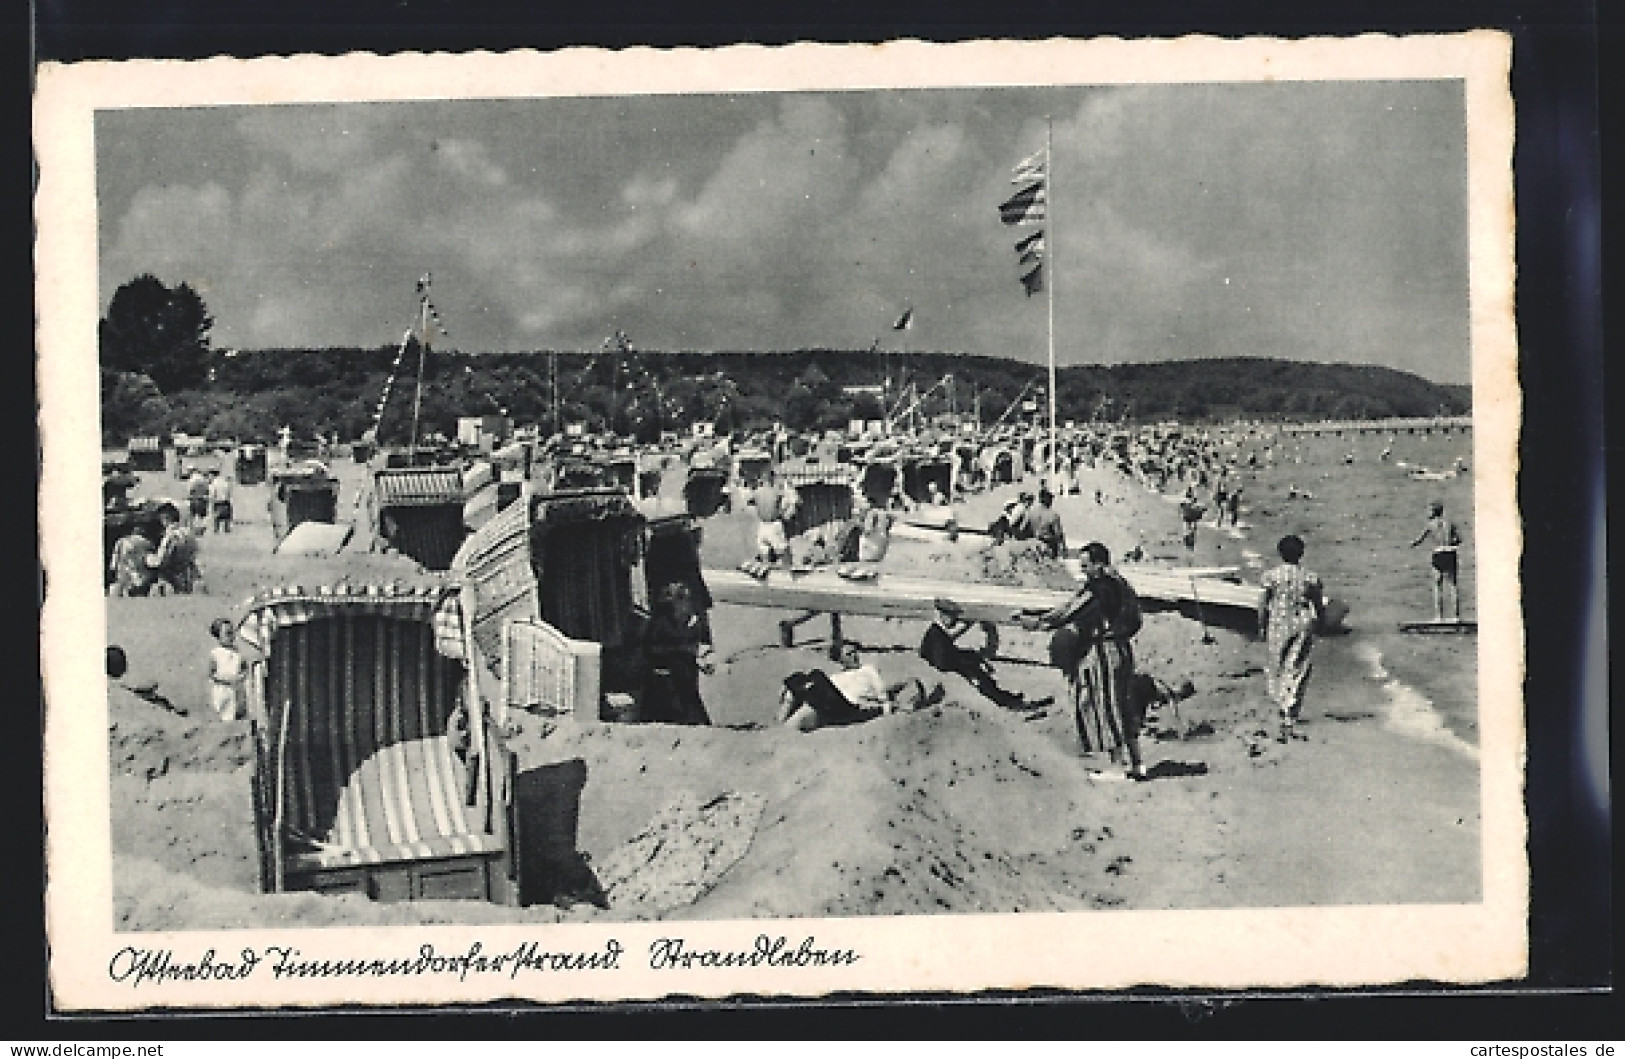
column 160, row 374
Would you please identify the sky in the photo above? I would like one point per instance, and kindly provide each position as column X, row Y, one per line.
column 1320, row 221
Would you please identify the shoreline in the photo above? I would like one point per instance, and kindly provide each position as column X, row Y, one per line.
column 965, row 808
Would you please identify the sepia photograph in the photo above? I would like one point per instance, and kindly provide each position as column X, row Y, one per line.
column 607, row 525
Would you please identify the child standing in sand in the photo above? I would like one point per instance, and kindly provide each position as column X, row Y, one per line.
column 1288, row 615
column 225, row 671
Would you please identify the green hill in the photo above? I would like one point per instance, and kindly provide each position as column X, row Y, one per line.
column 250, row 394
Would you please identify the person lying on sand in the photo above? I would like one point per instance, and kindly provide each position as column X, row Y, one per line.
column 941, row 651
column 813, row 699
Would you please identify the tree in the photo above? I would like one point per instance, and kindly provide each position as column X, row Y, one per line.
column 157, row 331
column 131, row 405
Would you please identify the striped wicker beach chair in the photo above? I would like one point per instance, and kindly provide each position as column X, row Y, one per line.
column 371, row 774
column 420, row 512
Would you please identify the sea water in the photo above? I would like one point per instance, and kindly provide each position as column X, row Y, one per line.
column 1357, row 517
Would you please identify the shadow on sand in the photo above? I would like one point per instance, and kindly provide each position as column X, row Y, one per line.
column 551, row 868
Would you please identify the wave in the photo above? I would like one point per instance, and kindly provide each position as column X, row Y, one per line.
column 1410, row 712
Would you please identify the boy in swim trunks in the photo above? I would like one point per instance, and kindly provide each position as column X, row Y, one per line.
column 1446, row 543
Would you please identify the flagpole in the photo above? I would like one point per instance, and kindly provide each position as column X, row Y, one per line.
column 1050, row 197
column 553, row 373
column 423, row 356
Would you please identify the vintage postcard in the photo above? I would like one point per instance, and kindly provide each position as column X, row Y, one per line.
column 914, row 518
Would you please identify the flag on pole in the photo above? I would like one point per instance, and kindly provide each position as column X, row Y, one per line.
column 905, row 321
column 1034, row 280
column 435, row 320
column 1031, row 249
column 1029, row 169
column 1025, row 206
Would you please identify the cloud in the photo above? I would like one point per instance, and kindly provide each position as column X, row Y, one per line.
column 317, row 138
column 468, row 160
column 804, row 220
column 773, row 183
column 644, row 190
column 172, row 231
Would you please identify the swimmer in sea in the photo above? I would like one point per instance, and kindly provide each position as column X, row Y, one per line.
column 1446, row 543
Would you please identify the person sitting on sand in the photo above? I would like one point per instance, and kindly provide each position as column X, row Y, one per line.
column 1290, row 611
column 1093, row 646
column 772, row 546
column 1446, row 542
column 942, row 652
column 813, row 700
column 131, row 574
column 175, row 561
column 1021, row 518
column 999, row 529
column 1046, row 525
column 226, row 672
column 874, row 536
column 845, row 543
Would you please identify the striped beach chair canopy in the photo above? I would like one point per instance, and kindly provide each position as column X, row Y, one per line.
column 419, row 486
column 365, row 754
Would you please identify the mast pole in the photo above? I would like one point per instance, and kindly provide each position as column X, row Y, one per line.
column 423, row 358
column 1049, row 162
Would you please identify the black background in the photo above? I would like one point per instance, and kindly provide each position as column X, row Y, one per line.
column 1561, row 260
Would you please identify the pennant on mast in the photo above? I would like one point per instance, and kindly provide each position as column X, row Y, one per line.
column 1030, row 205
column 1025, row 206
column 1030, row 169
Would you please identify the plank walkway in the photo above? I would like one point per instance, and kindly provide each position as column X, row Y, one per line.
column 896, row 596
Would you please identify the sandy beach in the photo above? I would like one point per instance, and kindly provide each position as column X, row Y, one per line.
column 963, row 807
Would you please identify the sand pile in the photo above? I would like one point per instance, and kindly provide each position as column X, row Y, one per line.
column 1023, row 564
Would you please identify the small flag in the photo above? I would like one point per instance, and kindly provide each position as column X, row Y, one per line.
column 1034, row 280
column 1029, row 169
column 1031, row 249
column 1025, row 206
column 905, row 321
column 434, row 317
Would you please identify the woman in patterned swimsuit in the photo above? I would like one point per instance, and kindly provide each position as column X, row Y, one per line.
column 1288, row 616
